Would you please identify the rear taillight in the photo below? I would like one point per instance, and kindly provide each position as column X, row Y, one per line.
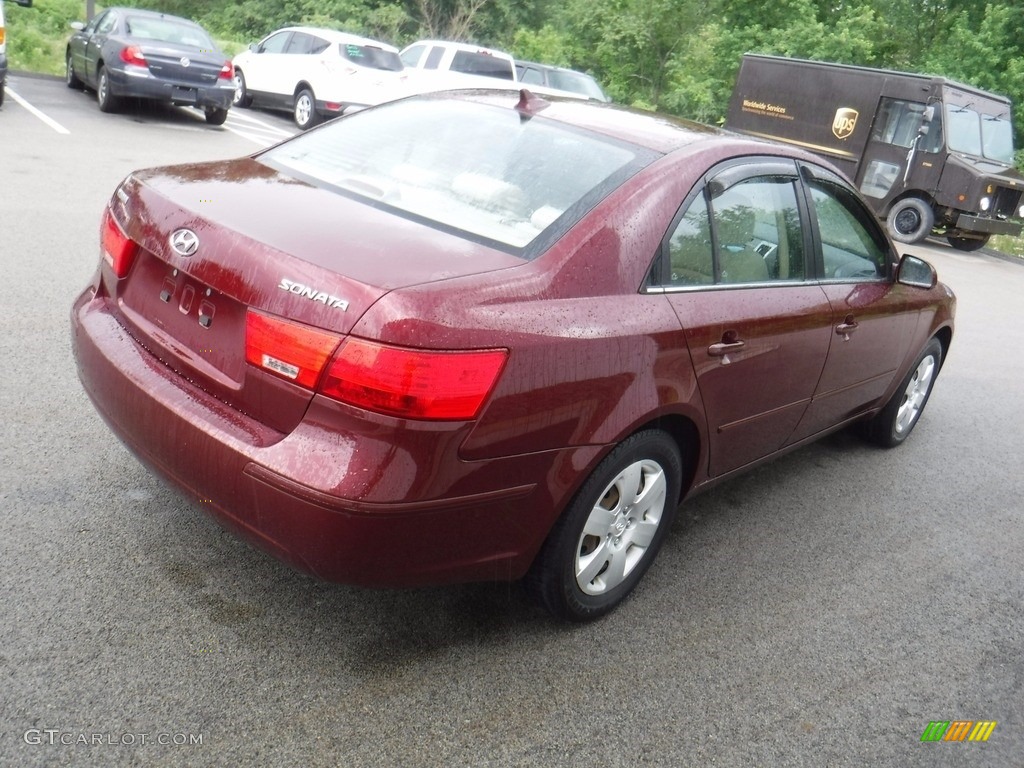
column 227, row 72
column 118, row 249
column 411, row 383
column 133, row 55
column 408, row 383
column 291, row 350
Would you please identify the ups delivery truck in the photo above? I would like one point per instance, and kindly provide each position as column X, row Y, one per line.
column 932, row 156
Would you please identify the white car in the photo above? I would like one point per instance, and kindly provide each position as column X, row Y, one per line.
column 436, row 65
column 316, row 73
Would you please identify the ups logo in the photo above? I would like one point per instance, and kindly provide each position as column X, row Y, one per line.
column 844, row 123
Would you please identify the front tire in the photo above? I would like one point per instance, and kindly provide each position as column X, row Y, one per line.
column 968, row 243
column 305, row 109
column 607, row 538
column 910, row 220
column 241, row 97
column 894, row 423
column 70, row 78
column 107, row 101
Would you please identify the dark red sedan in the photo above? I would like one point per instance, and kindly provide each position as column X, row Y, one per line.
column 487, row 336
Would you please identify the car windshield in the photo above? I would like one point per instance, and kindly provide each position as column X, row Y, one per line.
column 167, row 30
column 481, row 170
column 978, row 134
column 369, row 56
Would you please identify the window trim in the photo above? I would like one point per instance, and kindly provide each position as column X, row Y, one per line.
column 726, row 175
column 811, row 172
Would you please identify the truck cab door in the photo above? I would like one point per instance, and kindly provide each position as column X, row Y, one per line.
column 903, row 152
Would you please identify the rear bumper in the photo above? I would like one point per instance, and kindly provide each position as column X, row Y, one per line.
column 343, row 506
column 141, row 84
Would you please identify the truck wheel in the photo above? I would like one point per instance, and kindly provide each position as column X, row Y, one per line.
column 968, row 243
column 910, row 220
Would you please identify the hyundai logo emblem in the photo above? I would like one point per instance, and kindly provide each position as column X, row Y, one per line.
column 185, row 242
column 185, row 61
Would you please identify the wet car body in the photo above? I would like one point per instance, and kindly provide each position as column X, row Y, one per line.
column 591, row 340
column 128, row 52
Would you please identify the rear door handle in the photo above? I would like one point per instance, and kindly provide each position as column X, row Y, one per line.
column 845, row 328
column 723, row 348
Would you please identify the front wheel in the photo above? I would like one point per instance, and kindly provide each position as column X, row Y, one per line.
column 241, row 97
column 609, row 535
column 894, row 423
column 107, row 101
column 910, row 220
column 305, row 109
column 968, row 243
column 70, row 78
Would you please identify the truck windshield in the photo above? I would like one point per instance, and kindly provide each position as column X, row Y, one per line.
column 979, row 135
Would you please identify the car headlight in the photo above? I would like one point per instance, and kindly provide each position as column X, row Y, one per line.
column 985, row 203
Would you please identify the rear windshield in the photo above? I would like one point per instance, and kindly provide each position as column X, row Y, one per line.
column 168, row 31
column 479, row 170
column 369, row 56
column 483, row 64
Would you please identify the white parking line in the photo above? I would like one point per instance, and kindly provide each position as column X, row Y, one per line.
column 255, row 130
column 245, row 118
column 45, row 118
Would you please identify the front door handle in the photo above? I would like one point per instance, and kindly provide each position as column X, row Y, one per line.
column 723, row 348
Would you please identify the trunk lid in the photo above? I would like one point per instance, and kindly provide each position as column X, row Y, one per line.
column 182, row 63
column 266, row 242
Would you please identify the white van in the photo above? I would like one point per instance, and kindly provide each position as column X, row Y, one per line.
column 3, row 45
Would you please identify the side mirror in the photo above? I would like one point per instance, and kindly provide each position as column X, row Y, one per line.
column 254, row 47
column 916, row 272
column 76, row 25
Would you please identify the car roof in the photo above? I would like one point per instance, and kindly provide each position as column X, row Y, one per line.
column 471, row 47
column 655, row 131
column 336, row 36
column 152, row 14
column 549, row 67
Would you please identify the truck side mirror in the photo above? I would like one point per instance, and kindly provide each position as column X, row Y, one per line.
column 916, row 272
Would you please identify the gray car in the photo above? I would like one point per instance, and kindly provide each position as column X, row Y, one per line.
column 127, row 52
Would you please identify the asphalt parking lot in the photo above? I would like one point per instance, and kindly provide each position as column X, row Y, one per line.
column 819, row 611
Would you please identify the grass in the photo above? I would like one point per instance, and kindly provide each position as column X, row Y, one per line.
column 1011, row 246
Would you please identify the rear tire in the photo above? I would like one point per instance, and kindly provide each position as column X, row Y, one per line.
column 609, row 535
column 305, row 113
column 968, row 243
column 216, row 115
column 107, row 101
column 894, row 423
column 910, row 220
